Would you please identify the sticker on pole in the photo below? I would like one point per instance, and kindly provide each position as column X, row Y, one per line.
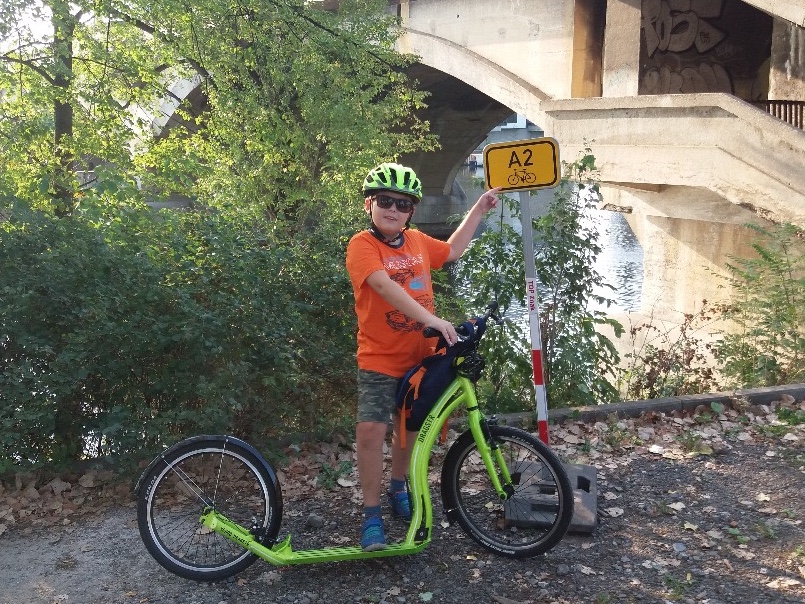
column 522, row 165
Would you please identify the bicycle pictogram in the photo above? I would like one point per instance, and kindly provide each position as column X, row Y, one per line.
column 521, row 177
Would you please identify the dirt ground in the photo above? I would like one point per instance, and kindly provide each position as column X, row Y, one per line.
column 705, row 509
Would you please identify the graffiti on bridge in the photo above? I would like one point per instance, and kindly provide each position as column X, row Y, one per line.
column 677, row 27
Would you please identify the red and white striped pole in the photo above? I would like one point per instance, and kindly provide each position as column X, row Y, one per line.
column 532, row 301
column 540, row 394
column 518, row 166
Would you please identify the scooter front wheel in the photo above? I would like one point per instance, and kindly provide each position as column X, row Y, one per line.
column 198, row 474
column 539, row 508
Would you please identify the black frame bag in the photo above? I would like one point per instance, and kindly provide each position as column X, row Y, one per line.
column 424, row 383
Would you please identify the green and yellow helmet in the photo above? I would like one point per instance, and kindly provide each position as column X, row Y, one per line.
column 393, row 177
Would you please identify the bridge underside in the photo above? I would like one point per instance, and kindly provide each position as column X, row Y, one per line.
column 461, row 116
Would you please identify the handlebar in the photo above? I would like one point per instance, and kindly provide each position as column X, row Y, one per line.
column 491, row 312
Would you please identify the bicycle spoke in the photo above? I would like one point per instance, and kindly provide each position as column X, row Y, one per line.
column 207, row 474
column 536, row 514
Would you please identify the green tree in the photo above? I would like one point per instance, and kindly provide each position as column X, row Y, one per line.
column 767, row 346
column 492, row 269
column 122, row 328
column 301, row 102
column 294, row 102
column 70, row 76
column 577, row 357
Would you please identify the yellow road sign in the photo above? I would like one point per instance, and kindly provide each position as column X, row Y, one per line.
column 521, row 165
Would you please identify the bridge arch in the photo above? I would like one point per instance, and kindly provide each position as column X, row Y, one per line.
column 475, row 70
column 469, row 95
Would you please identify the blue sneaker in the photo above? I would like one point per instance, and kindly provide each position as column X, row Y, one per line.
column 372, row 536
column 400, row 504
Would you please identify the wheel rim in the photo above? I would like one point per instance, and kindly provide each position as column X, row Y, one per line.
column 221, row 478
column 530, row 516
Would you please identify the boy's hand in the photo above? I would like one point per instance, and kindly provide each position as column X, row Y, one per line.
column 489, row 200
column 445, row 328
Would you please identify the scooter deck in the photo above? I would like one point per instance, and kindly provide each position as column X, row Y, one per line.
column 282, row 554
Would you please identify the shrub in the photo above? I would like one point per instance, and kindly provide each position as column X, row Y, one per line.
column 126, row 331
column 767, row 347
column 577, row 357
column 670, row 361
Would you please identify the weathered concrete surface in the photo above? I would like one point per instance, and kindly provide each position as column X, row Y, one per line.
column 522, row 55
column 684, row 257
column 531, row 39
column 712, row 141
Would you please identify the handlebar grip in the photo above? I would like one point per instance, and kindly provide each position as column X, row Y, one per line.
column 430, row 332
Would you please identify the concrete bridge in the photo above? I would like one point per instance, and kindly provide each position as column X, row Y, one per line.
column 692, row 108
column 574, row 68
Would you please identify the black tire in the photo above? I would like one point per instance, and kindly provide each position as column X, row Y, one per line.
column 537, row 514
column 215, row 471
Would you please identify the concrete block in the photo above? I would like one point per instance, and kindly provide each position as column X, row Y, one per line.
column 585, row 498
column 536, row 505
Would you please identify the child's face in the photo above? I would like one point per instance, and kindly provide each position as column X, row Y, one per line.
column 389, row 221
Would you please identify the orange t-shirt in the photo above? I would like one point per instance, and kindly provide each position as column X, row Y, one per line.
column 390, row 342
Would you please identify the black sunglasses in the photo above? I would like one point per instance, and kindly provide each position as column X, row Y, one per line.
column 385, row 202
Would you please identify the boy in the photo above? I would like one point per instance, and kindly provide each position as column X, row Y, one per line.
column 389, row 267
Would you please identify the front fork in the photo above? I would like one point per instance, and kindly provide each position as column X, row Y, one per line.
column 490, row 453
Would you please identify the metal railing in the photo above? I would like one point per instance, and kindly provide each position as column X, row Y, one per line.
column 792, row 112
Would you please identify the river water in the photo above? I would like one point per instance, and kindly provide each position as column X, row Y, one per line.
column 620, row 262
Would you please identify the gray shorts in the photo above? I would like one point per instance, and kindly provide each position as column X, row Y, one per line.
column 377, row 395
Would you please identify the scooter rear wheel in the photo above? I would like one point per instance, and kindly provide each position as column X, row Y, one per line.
column 204, row 472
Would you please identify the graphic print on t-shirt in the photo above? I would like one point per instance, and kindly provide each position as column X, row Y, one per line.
column 403, row 271
column 400, row 322
column 417, row 284
column 400, row 277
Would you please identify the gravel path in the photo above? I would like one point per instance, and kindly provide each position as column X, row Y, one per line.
column 691, row 509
